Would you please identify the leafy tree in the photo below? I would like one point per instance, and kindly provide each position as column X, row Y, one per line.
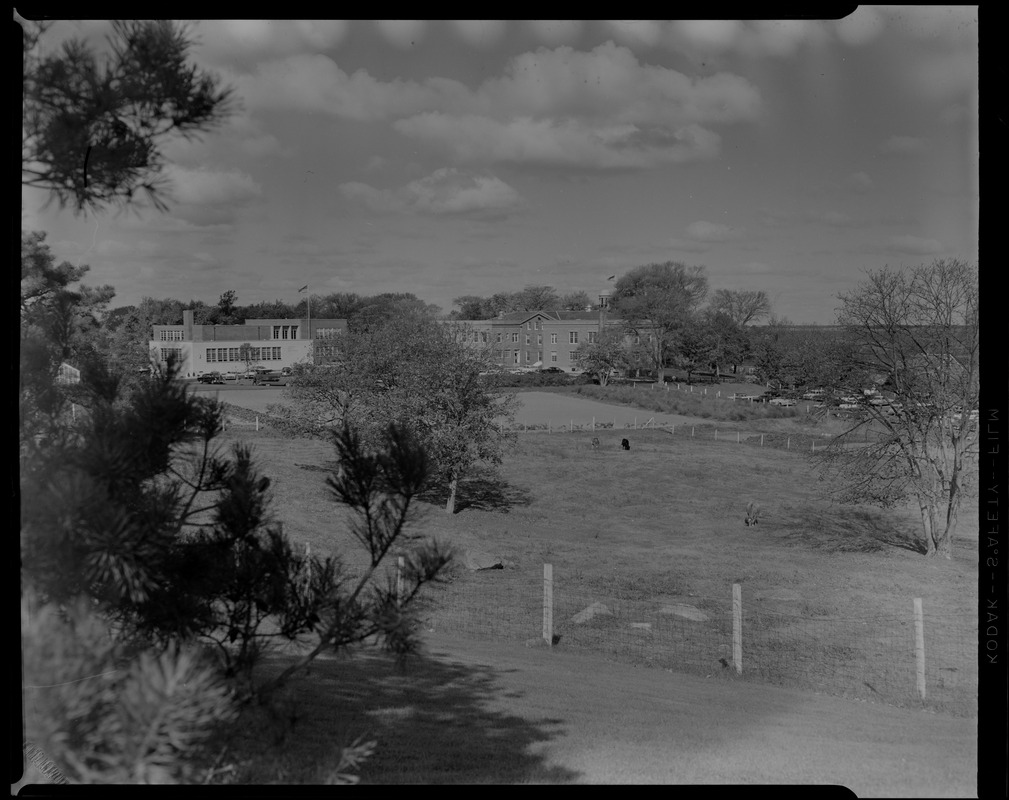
column 226, row 304
column 536, row 298
column 412, row 368
column 657, row 299
column 470, row 307
column 607, row 354
column 576, row 301
column 918, row 326
column 93, row 130
column 740, row 306
column 729, row 343
column 697, row 347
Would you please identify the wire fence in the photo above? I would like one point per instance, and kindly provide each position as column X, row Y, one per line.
column 875, row 658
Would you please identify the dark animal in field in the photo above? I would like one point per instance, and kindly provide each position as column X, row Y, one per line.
column 624, row 444
column 752, row 513
column 595, row 442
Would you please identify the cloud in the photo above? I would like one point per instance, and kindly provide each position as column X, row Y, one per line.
column 314, row 83
column 712, row 232
column 913, row 245
column 903, row 145
column 860, row 27
column 636, row 32
column 403, row 33
column 209, row 187
column 480, row 32
column 560, row 142
column 557, row 31
column 240, row 41
column 446, row 191
column 858, row 182
column 598, row 109
column 717, row 35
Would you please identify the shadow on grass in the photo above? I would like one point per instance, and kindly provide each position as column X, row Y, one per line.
column 842, row 529
column 433, row 722
column 481, row 492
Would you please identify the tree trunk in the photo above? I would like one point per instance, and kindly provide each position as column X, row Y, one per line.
column 452, row 486
column 928, row 525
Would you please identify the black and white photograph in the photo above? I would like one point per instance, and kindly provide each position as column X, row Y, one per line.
column 506, row 402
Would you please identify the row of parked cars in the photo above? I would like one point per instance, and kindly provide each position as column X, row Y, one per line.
column 256, row 375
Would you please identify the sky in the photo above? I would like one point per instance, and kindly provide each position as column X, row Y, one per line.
column 474, row 157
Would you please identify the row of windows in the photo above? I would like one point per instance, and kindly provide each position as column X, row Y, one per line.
column 172, row 336
column 322, row 333
column 171, row 352
column 221, row 354
column 514, row 356
column 285, row 331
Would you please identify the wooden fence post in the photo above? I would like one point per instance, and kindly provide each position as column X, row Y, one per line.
column 737, row 437
column 257, row 423
column 691, row 430
column 716, row 434
column 737, row 628
column 761, row 440
column 593, row 424
column 635, row 423
column 548, row 604
column 919, row 646
column 788, row 443
column 571, row 426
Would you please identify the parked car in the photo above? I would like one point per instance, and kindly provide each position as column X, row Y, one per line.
column 552, row 369
column 813, row 394
column 782, row 401
column 210, row 377
column 286, row 371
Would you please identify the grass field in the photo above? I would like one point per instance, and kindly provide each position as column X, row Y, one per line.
column 656, row 534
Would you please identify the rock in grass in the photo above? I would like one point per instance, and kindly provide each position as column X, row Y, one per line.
column 685, row 611
column 588, row 613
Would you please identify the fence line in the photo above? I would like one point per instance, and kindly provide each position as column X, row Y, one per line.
column 902, row 657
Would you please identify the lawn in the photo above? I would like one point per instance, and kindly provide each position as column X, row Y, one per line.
column 656, row 535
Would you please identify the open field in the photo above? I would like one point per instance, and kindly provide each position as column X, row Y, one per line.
column 656, row 534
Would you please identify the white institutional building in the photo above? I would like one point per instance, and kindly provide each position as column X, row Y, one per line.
column 273, row 343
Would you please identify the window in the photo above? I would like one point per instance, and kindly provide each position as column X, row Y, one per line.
column 171, row 352
column 528, row 356
column 529, row 326
column 553, row 355
column 515, row 338
column 211, row 355
column 326, row 333
column 573, row 337
column 294, row 331
column 593, row 337
column 517, row 356
column 539, row 338
column 537, row 324
column 553, row 338
column 527, row 339
column 572, row 356
column 171, row 336
column 276, row 353
column 539, row 356
column 276, row 331
column 233, row 354
column 637, row 340
column 483, row 336
column 254, row 353
column 284, row 330
column 498, row 338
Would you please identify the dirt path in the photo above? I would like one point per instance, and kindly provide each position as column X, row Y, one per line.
column 615, row 724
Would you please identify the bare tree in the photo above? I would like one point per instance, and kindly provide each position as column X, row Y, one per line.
column 917, row 330
column 741, row 307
